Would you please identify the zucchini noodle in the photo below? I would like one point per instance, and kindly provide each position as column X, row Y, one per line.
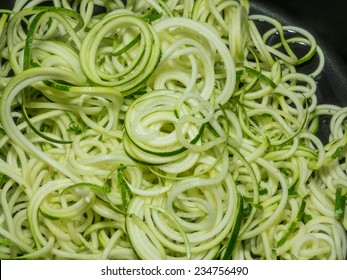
column 165, row 130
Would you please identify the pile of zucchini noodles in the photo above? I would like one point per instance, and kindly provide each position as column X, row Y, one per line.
column 165, row 130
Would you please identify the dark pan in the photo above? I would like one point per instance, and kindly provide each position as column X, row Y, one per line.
column 328, row 27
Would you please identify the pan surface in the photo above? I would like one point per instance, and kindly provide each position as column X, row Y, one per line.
column 327, row 25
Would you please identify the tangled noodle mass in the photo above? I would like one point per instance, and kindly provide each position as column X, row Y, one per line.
column 165, row 130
